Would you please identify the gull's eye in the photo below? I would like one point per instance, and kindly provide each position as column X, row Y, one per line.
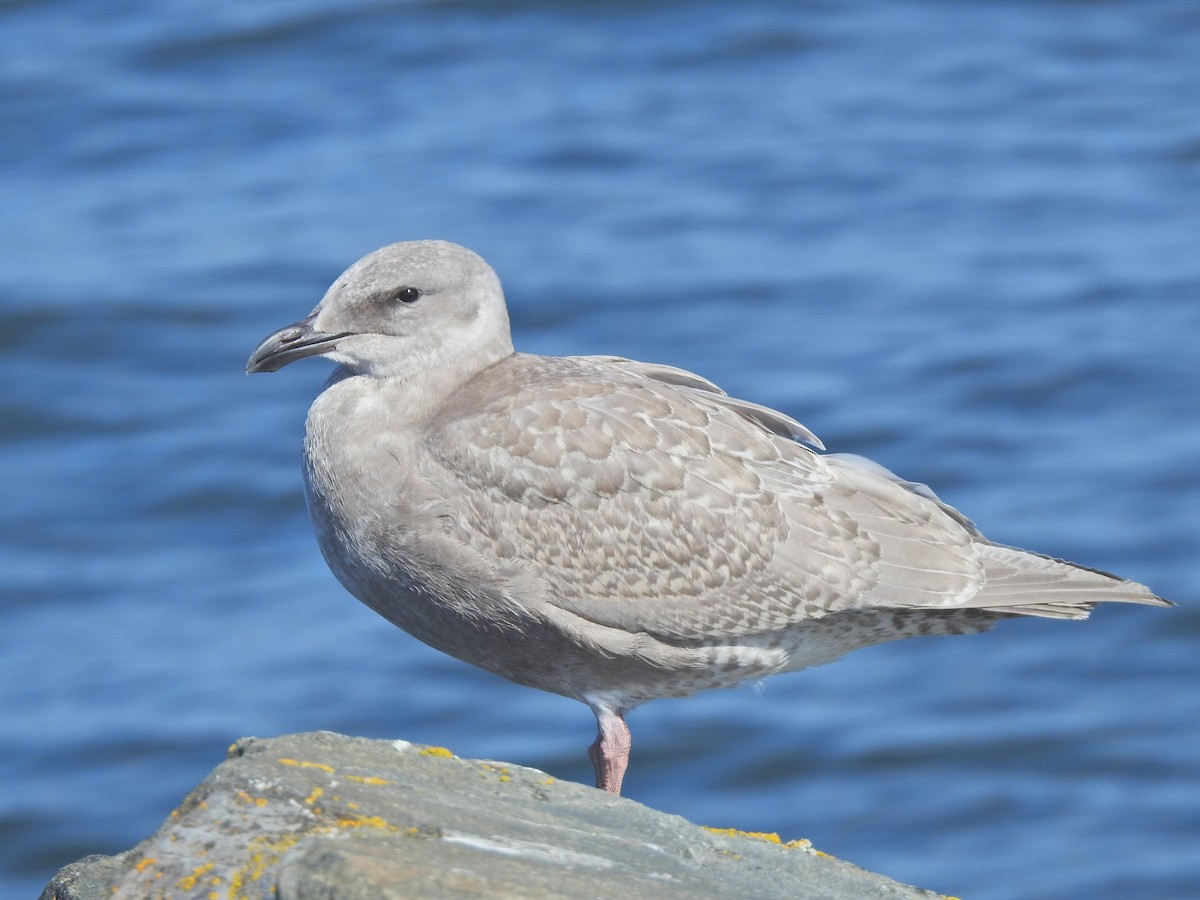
column 407, row 295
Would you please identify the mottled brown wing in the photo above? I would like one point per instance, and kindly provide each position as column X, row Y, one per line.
column 659, row 506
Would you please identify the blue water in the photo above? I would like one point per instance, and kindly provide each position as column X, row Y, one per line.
column 962, row 239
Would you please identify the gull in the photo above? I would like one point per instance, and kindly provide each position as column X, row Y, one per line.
column 611, row 530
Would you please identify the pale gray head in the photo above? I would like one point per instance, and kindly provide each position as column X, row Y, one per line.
column 407, row 308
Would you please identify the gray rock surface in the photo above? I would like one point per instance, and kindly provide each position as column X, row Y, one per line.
column 322, row 815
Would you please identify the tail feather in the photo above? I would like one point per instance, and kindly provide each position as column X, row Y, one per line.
column 1023, row 583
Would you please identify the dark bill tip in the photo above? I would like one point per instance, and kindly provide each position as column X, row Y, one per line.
column 289, row 344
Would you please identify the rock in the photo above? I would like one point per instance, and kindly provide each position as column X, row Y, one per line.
column 322, row 815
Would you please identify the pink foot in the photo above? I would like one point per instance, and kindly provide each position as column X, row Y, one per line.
column 610, row 752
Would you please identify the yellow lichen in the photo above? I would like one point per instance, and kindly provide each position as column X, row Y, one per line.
column 365, row 822
column 768, row 836
column 186, row 884
column 312, row 798
column 144, row 864
column 437, row 751
column 304, row 764
column 502, row 771
column 265, row 851
column 367, row 779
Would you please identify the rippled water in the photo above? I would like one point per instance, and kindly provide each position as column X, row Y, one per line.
column 961, row 239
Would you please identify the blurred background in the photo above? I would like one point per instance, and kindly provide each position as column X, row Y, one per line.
column 961, row 239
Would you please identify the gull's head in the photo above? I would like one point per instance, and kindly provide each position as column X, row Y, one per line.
column 406, row 308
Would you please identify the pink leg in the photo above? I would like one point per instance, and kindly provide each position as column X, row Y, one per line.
column 610, row 753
